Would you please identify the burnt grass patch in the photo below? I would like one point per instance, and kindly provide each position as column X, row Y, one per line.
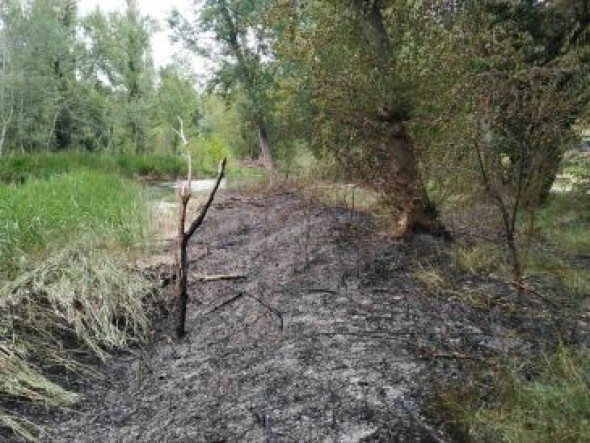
column 329, row 336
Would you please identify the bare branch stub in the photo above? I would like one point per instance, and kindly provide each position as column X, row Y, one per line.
column 182, row 256
column 182, row 237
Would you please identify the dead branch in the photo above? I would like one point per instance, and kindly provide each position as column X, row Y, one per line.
column 182, row 261
column 449, row 356
column 217, row 277
column 270, row 309
column 183, row 239
column 226, row 303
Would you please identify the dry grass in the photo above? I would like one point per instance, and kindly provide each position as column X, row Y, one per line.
column 431, row 279
column 81, row 301
column 479, row 259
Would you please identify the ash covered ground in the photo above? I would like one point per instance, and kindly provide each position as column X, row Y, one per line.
column 328, row 338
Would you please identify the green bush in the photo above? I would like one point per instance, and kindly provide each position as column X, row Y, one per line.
column 208, row 152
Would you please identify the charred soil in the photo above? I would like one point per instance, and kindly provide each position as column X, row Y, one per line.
column 328, row 337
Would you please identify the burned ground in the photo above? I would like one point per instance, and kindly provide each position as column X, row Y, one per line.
column 329, row 336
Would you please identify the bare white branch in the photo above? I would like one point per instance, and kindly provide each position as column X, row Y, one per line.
column 185, row 189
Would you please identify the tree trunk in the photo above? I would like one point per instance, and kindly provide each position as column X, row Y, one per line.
column 550, row 174
column 249, row 85
column 6, row 123
column 418, row 213
column 373, row 20
column 405, row 186
column 266, row 152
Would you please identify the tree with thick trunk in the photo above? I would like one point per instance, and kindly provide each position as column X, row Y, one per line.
column 404, row 183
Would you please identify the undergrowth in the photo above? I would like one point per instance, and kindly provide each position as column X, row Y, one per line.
column 563, row 251
column 67, row 292
column 545, row 402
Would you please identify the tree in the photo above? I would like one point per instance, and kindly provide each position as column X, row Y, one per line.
column 175, row 97
column 242, row 47
column 120, row 62
column 526, row 79
column 39, row 68
column 550, row 41
column 365, row 61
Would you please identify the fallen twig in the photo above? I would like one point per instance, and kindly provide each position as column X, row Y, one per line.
column 269, row 308
column 321, row 290
column 225, row 303
column 451, row 355
column 217, row 277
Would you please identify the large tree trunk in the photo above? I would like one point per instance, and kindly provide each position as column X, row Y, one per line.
column 404, row 187
column 417, row 212
column 372, row 15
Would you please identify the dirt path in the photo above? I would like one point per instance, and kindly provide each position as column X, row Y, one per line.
column 355, row 350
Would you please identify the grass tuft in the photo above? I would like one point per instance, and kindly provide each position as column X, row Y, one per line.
column 431, row 279
column 479, row 259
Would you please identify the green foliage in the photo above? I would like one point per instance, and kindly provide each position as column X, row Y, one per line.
column 223, row 120
column 246, row 74
column 120, row 53
column 38, row 73
column 208, row 152
column 175, row 98
column 70, row 82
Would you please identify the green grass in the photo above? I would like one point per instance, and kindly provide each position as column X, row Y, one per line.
column 543, row 402
column 18, row 169
column 564, row 226
column 21, row 168
column 66, row 286
column 44, row 214
column 552, row 407
column 565, row 221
